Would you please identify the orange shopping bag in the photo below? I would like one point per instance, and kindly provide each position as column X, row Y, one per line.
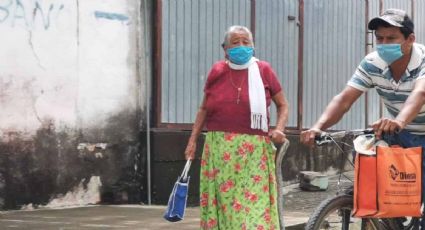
column 399, row 181
column 365, row 203
column 388, row 184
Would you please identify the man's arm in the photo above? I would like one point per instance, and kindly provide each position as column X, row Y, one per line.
column 338, row 106
column 413, row 104
column 408, row 112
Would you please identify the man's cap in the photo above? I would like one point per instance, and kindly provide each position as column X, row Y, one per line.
column 393, row 17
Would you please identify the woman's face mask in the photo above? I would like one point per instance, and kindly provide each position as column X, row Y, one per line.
column 240, row 55
column 389, row 52
column 239, row 49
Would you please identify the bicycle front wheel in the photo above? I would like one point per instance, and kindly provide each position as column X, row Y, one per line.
column 335, row 213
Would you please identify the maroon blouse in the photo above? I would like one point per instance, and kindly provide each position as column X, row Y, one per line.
column 223, row 111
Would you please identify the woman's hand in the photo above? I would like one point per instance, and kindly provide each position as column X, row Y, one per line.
column 277, row 136
column 189, row 153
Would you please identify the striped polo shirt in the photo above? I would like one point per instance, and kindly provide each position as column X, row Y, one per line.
column 373, row 72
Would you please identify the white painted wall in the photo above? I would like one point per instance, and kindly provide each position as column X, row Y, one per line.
column 74, row 62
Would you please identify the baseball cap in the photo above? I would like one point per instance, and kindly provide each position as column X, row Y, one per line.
column 393, row 17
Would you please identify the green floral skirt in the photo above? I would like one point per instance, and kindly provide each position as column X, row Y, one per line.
column 238, row 184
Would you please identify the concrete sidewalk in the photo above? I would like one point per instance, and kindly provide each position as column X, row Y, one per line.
column 112, row 217
column 298, row 207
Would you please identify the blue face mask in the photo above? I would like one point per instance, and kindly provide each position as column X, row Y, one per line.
column 389, row 52
column 240, row 55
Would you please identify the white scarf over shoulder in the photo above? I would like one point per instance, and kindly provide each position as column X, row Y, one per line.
column 257, row 94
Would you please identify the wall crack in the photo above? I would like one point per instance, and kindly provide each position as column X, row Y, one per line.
column 33, row 50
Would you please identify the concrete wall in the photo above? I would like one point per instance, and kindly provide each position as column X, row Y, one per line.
column 70, row 102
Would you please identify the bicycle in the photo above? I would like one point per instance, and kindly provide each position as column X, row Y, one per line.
column 336, row 212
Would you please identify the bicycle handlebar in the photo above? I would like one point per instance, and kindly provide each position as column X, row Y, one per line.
column 326, row 137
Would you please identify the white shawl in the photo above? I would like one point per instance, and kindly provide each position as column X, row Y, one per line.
column 257, row 95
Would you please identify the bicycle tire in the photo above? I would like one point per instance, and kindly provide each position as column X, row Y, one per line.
column 405, row 224
column 342, row 202
column 345, row 201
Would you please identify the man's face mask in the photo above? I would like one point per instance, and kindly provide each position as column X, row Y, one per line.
column 240, row 55
column 389, row 52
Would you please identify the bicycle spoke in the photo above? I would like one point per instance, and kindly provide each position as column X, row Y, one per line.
column 341, row 219
column 335, row 213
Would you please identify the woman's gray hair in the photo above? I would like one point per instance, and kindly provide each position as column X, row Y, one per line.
column 234, row 29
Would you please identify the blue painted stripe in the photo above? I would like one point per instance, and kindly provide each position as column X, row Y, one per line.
column 111, row 16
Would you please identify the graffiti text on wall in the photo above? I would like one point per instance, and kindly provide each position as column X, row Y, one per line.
column 28, row 13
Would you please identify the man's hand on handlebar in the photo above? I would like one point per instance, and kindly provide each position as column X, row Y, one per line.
column 307, row 137
column 386, row 125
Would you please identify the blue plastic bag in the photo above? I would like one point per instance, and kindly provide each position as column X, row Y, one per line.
column 178, row 197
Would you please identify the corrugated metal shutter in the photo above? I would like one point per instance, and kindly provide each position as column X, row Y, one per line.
column 399, row 4
column 419, row 19
column 192, row 33
column 374, row 103
column 334, row 44
column 333, row 47
column 276, row 41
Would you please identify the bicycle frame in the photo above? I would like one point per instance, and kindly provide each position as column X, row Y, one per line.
column 281, row 151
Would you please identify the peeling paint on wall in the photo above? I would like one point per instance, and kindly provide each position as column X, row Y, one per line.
column 97, row 150
column 80, row 195
column 36, row 170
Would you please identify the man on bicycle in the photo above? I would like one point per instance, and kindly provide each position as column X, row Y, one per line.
column 397, row 71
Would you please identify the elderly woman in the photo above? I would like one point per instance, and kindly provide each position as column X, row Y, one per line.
column 238, row 184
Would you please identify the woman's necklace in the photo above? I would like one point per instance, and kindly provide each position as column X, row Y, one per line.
column 239, row 88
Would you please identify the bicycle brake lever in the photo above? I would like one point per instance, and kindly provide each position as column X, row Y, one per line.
column 324, row 138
